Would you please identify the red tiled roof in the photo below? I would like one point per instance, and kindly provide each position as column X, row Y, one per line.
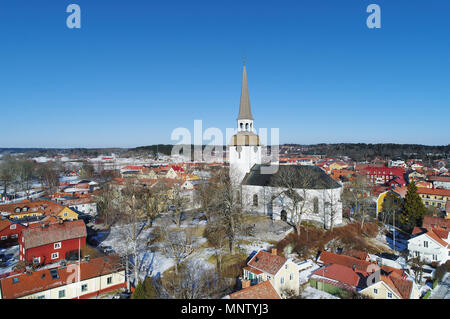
column 37, row 206
column 433, row 191
column 340, row 273
column 431, row 221
column 267, row 262
column 263, row 290
column 41, row 280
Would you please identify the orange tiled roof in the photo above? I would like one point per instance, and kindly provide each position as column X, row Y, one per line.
column 433, row 191
column 37, row 206
column 263, row 290
column 41, row 280
column 267, row 262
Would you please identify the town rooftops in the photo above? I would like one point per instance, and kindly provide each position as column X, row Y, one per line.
column 54, row 232
column 430, row 232
column 24, row 284
column 327, row 258
column 439, row 179
column 263, row 290
column 401, row 287
column 267, row 262
column 433, row 191
column 306, row 177
column 45, row 207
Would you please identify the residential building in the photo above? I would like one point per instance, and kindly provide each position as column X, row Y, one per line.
column 282, row 273
column 48, row 242
column 430, row 245
column 87, row 279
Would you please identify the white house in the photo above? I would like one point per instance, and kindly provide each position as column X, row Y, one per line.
column 431, row 245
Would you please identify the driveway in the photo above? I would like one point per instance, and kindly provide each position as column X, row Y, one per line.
column 442, row 291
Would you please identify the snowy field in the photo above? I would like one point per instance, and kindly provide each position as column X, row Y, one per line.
column 312, row 293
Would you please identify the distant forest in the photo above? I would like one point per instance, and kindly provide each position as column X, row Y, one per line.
column 358, row 152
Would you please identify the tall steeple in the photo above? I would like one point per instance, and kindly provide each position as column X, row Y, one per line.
column 245, row 112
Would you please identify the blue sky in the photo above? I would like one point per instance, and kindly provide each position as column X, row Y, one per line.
column 138, row 69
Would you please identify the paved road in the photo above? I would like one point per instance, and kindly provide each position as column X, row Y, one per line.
column 442, row 291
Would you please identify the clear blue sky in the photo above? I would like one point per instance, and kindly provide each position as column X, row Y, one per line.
column 137, row 69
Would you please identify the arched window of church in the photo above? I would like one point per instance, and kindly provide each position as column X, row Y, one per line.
column 246, row 126
column 316, row 205
column 255, row 200
column 242, row 126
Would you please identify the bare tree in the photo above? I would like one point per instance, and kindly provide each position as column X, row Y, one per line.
column 177, row 201
column 177, row 245
column 48, row 174
column 227, row 208
column 204, row 195
column 298, row 202
column 331, row 207
column 217, row 237
column 355, row 197
column 6, row 172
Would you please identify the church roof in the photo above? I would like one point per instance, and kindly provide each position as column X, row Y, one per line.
column 245, row 112
column 317, row 178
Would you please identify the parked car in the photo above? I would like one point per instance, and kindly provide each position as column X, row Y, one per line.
column 93, row 241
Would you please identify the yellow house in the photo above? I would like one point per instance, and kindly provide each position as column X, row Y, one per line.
column 67, row 214
column 390, row 287
column 381, row 198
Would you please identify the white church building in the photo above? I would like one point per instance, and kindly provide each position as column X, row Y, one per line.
column 263, row 192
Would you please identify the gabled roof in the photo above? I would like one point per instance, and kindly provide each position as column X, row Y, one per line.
column 307, row 177
column 419, row 231
column 41, row 280
column 263, row 290
column 55, row 232
column 267, row 262
column 340, row 273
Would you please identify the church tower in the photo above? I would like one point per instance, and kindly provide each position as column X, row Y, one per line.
column 244, row 147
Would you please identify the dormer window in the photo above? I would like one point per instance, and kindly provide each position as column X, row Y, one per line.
column 17, row 210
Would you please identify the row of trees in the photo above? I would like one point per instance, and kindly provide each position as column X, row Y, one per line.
column 17, row 174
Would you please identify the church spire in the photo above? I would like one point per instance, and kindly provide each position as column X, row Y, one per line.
column 245, row 112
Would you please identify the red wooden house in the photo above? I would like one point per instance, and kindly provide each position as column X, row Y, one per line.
column 47, row 243
column 9, row 231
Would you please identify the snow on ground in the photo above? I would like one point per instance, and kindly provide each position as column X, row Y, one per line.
column 442, row 290
column 305, row 274
column 151, row 263
column 253, row 245
column 312, row 293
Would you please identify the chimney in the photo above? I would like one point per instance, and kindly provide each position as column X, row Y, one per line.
column 245, row 283
column 274, row 251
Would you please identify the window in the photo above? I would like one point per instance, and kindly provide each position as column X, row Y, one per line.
column 316, row 205
column 36, row 260
column 65, row 214
column 14, row 236
column 4, row 237
column 109, row 280
column 84, row 288
column 255, row 200
column 15, row 280
column 389, row 295
column 282, row 280
column 435, row 257
column 291, row 276
column 41, row 297
column 55, row 255
column 13, row 226
column 57, row 245
column 375, row 291
column 62, row 293
column 425, row 244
